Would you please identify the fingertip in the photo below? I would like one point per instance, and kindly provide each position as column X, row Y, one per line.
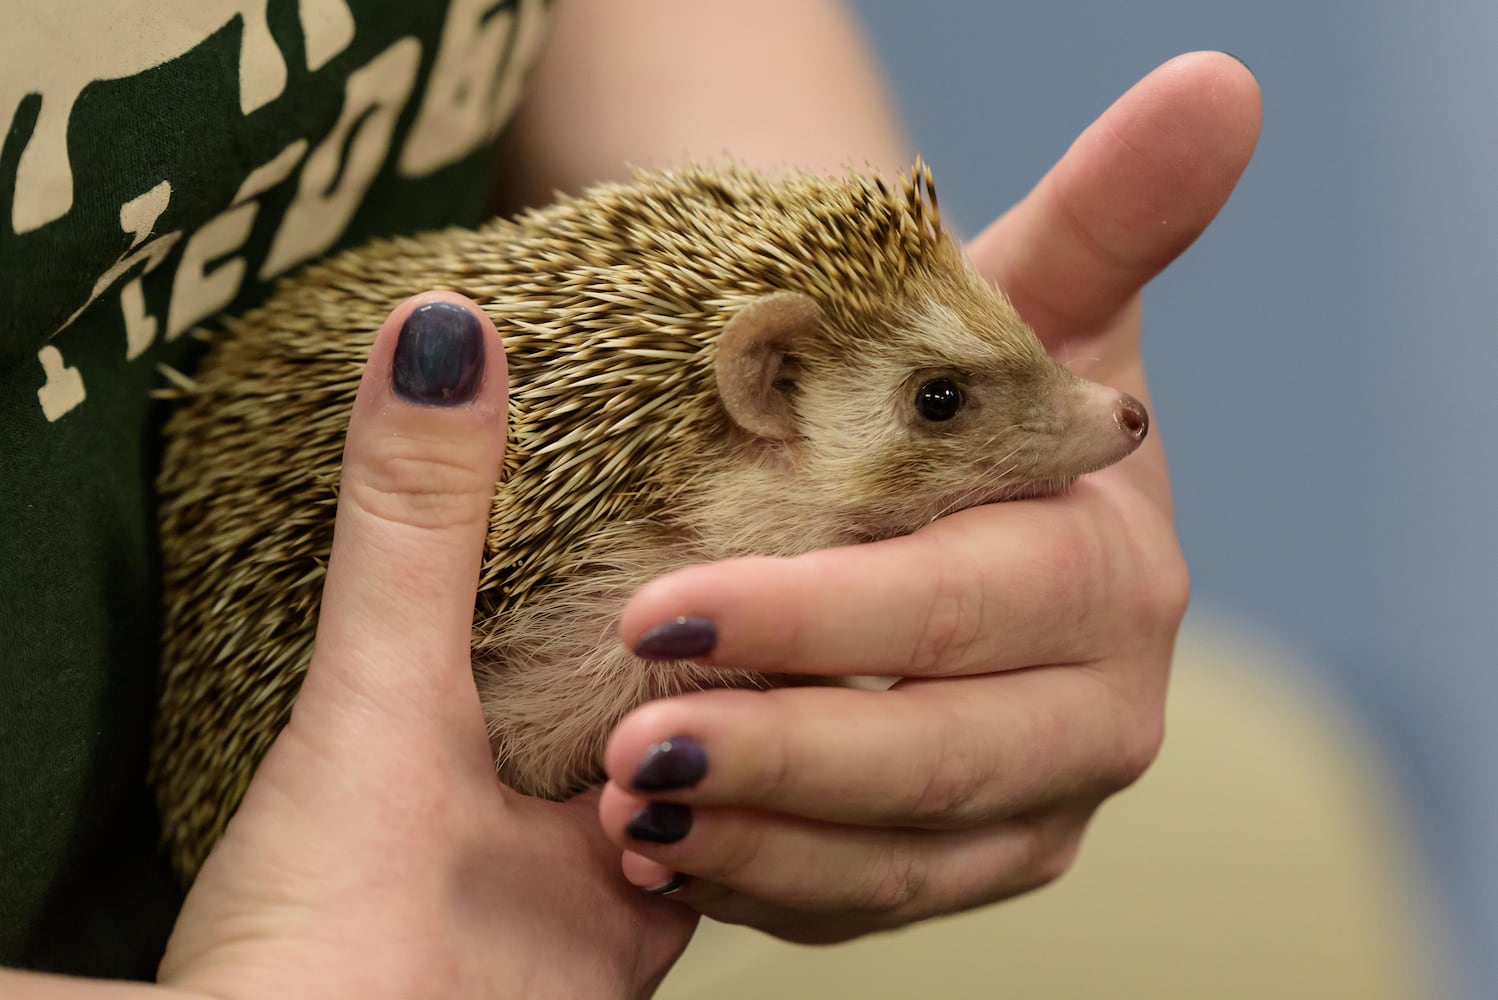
column 651, row 876
column 675, row 884
column 663, row 600
column 434, row 392
column 438, row 348
column 1130, row 195
column 615, row 807
column 1241, row 62
column 755, row 606
column 1220, row 93
column 1229, row 65
column 642, row 733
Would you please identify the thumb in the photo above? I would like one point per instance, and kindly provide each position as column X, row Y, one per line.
column 387, row 729
column 1130, row 195
column 423, row 453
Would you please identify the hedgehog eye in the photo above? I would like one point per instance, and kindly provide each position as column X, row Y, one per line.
column 938, row 399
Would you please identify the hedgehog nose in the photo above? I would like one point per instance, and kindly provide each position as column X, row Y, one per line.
column 1132, row 416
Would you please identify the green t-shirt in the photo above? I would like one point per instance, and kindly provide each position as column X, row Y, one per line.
column 162, row 163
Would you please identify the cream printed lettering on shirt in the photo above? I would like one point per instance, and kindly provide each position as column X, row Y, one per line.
column 475, row 79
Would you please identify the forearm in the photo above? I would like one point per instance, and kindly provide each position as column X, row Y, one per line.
column 774, row 84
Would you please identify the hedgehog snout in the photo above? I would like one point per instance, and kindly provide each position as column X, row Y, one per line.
column 1102, row 425
column 1133, row 419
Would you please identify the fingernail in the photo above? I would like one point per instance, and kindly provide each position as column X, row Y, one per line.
column 670, row 764
column 677, row 883
column 678, row 639
column 661, row 823
column 439, row 358
column 1239, row 58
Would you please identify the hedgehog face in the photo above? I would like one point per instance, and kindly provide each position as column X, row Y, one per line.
column 922, row 412
column 976, row 433
column 981, row 413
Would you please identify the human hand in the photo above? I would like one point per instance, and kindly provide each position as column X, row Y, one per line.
column 1035, row 637
column 376, row 853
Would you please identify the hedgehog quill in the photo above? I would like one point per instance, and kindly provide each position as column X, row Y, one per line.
column 703, row 364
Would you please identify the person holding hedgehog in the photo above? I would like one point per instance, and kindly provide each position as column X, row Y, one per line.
column 374, row 853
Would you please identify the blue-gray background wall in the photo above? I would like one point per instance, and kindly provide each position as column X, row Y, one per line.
column 1323, row 361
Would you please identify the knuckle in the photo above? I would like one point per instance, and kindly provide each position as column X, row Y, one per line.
column 1157, row 604
column 897, row 883
column 1054, row 856
column 943, row 794
column 952, row 786
column 1161, row 602
column 734, row 856
column 772, row 777
column 400, row 485
column 1068, row 574
column 1136, row 747
column 1173, row 590
column 951, row 625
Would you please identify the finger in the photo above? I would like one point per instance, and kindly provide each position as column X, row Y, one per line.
column 423, row 453
column 1130, row 195
column 1045, row 586
column 819, row 868
column 947, row 754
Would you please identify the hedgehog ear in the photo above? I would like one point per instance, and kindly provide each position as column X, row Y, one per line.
column 752, row 351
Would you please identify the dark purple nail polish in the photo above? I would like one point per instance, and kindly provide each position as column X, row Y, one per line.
column 679, row 639
column 439, row 358
column 670, row 764
column 661, row 823
column 677, row 883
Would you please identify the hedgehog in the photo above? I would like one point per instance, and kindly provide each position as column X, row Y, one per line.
column 704, row 363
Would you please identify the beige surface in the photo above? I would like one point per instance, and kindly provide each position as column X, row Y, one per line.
column 1260, row 858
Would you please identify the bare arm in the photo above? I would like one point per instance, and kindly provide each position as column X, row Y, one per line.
column 778, row 83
